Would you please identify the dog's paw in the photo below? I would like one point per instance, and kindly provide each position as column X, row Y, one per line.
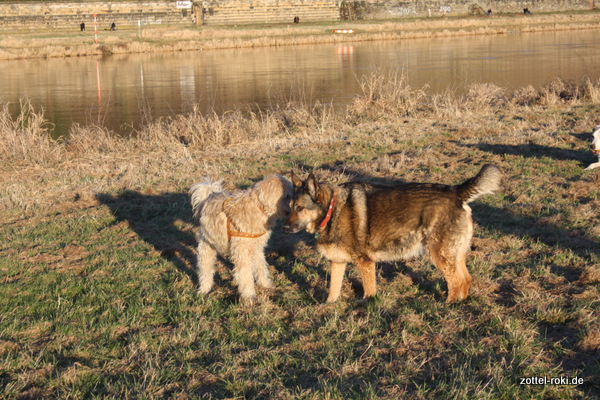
column 365, row 300
column 267, row 284
column 203, row 290
column 248, row 301
column 593, row 166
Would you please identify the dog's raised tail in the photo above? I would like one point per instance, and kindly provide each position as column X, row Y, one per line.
column 200, row 192
column 487, row 181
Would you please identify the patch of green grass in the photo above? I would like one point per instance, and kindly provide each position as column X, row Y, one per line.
column 98, row 295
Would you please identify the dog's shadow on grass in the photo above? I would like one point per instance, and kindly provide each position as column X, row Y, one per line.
column 165, row 221
column 285, row 250
column 532, row 150
column 161, row 220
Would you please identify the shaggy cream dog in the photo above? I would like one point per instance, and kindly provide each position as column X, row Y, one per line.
column 238, row 225
column 595, row 147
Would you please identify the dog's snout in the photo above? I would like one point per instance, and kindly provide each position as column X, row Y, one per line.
column 289, row 228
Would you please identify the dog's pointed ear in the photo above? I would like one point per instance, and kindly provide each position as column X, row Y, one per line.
column 297, row 182
column 312, row 186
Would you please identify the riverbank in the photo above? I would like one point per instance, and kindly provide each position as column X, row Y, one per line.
column 97, row 253
column 19, row 45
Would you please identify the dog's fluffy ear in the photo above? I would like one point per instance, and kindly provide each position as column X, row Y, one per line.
column 312, row 186
column 296, row 181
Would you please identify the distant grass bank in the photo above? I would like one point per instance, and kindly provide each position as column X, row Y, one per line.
column 98, row 290
column 130, row 39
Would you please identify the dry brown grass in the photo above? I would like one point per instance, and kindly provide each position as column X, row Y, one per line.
column 592, row 90
column 26, row 138
column 160, row 39
column 92, row 159
column 386, row 95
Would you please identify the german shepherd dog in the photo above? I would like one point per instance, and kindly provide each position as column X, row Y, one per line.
column 363, row 223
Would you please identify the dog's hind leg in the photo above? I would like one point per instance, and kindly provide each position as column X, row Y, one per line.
column 337, row 278
column 454, row 269
column 461, row 277
column 207, row 256
column 466, row 282
column 243, row 255
column 366, row 269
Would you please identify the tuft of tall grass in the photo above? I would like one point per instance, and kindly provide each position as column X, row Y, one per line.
column 92, row 139
column 592, row 90
column 387, row 94
column 26, row 138
column 525, row 96
column 559, row 90
column 201, row 131
column 485, row 95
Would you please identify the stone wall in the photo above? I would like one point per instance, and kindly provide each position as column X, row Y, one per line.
column 370, row 9
column 68, row 15
column 34, row 15
column 53, row 15
column 266, row 11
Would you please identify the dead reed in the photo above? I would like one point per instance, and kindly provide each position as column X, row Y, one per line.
column 26, row 138
column 101, row 159
column 387, row 95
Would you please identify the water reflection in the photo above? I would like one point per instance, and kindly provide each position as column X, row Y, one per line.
column 123, row 91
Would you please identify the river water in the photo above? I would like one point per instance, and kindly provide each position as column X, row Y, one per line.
column 121, row 92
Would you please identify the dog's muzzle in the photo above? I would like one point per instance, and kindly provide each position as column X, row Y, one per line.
column 290, row 228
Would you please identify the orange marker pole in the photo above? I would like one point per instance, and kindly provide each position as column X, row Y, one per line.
column 95, row 30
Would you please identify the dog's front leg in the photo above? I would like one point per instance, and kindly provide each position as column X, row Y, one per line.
column 243, row 255
column 594, row 165
column 337, row 277
column 261, row 269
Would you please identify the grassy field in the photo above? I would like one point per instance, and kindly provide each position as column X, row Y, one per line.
column 130, row 39
column 97, row 250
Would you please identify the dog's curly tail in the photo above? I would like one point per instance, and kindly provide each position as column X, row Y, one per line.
column 200, row 192
column 487, row 181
